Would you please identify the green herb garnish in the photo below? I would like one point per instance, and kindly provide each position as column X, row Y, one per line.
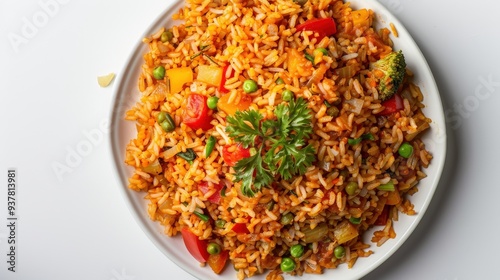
column 202, row 49
column 281, row 149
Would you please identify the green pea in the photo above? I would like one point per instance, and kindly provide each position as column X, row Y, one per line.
column 337, row 102
column 213, row 248
column 287, row 265
column 333, row 111
column 287, row 219
column 159, row 73
column 220, row 223
column 167, row 123
column 320, row 50
column 339, row 252
column 279, row 81
column 300, row 2
column 250, row 86
column 405, row 150
column 351, row 188
column 212, row 102
column 166, row 36
column 161, row 117
column 287, row 95
column 355, row 221
column 344, row 173
column 297, row 250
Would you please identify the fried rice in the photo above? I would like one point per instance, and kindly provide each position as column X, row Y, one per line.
column 255, row 39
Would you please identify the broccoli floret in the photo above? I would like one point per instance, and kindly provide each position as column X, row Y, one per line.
column 389, row 72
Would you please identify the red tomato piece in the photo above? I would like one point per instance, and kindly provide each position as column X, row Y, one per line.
column 392, row 105
column 196, row 115
column 222, row 86
column 195, row 246
column 322, row 26
column 234, row 153
column 382, row 218
column 214, row 198
column 240, row 228
column 218, row 261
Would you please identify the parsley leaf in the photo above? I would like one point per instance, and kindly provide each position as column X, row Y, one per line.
column 280, row 151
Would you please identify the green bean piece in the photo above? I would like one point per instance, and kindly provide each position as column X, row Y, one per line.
column 355, row 221
column 202, row 216
column 309, row 57
column 188, row 155
column 389, row 187
column 209, row 147
column 320, row 50
column 354, row 141
column 368, row 136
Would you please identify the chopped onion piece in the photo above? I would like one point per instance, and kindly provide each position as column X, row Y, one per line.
column 356, row 105
column 170, row 153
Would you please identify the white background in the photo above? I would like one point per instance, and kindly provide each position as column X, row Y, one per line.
column 77, row 226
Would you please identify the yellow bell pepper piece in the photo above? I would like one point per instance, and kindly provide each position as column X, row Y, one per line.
column 211, row 75
column 178, row 77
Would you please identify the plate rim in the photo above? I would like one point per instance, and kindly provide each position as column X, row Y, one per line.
column 147, row 225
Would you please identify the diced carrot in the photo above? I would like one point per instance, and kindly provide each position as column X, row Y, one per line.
column 240, row 102
column 393, row 198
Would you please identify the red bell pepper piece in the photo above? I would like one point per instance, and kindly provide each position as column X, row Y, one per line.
column 392, row 105
column 322, row 26
column 240, row 228
column 214, row 198
column 196, row 115
column 222, row 86
column 231, row 157
column 195, row 246
column 382, row 218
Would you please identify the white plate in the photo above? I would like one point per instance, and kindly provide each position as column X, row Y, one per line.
column 126, row 94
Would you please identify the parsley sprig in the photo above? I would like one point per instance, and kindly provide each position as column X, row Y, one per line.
column 279, row 144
